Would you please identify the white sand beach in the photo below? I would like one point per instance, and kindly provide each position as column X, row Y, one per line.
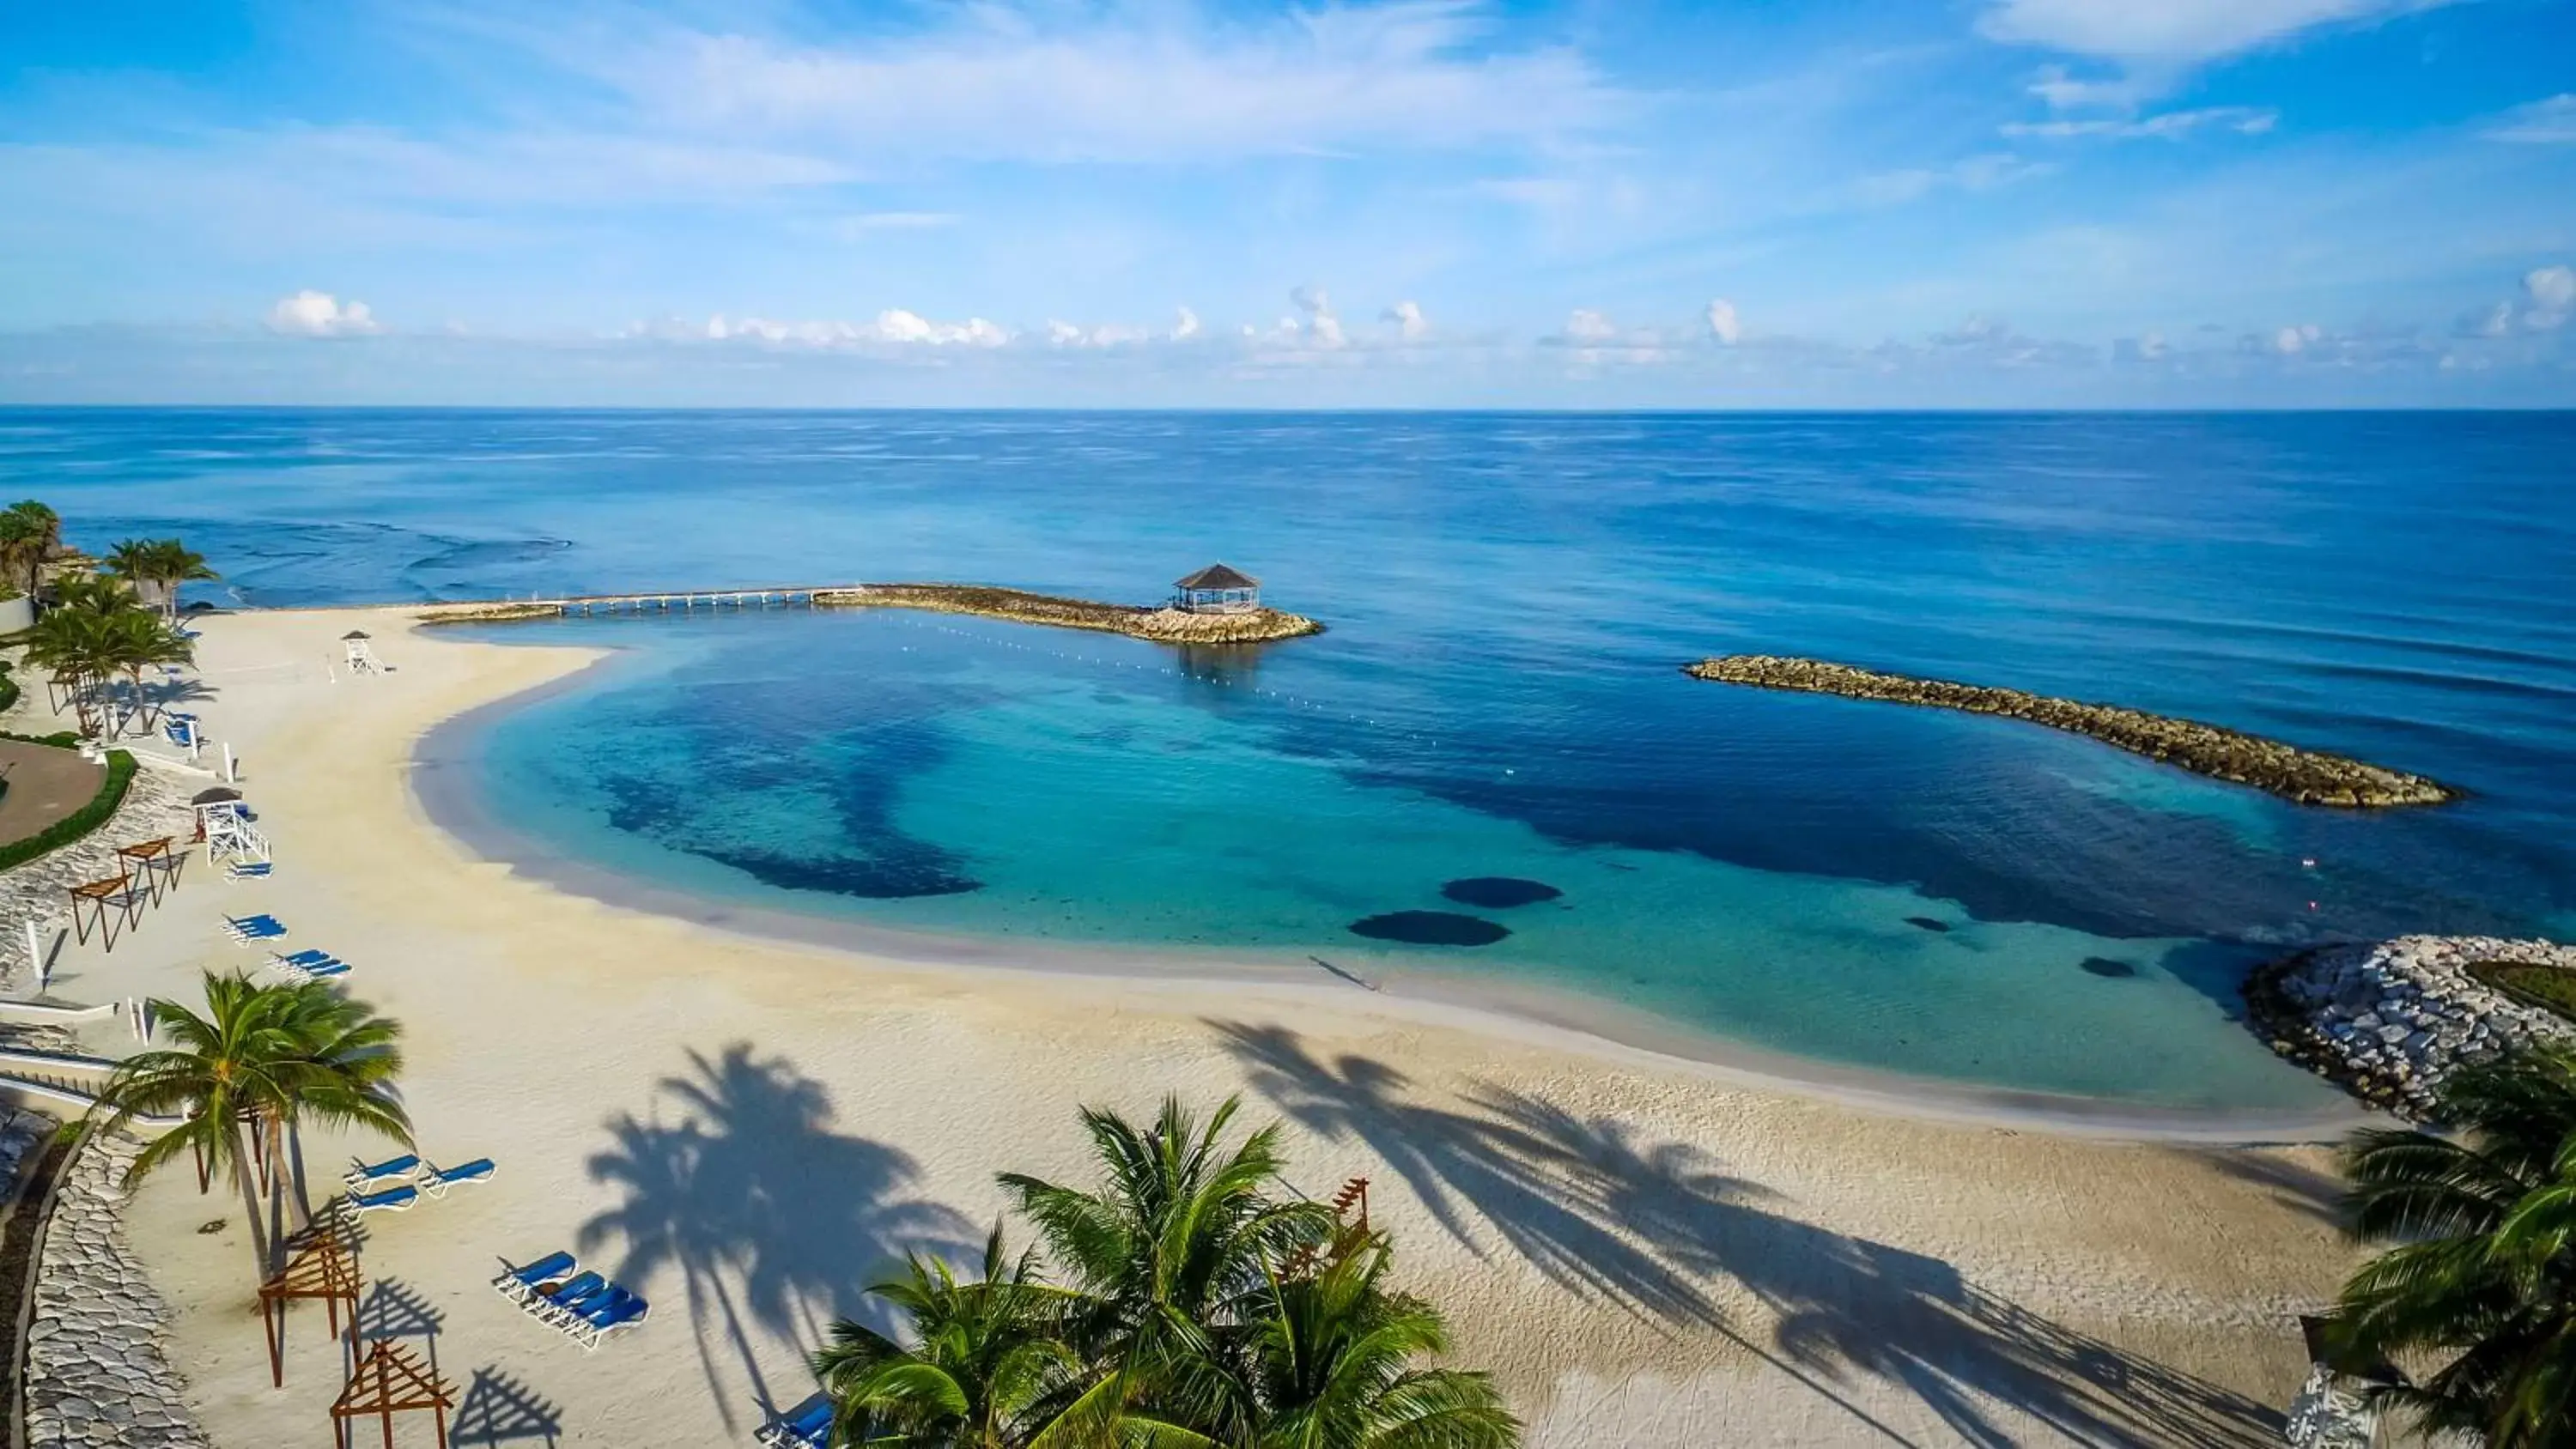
column 1645, row 1251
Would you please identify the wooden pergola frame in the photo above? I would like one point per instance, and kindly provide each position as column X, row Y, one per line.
column 389, row 1381
column 324, row 1266
column 154, row 860
column 99, row 895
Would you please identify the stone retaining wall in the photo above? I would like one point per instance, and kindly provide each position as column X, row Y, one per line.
column 2390, row 1020
column 96, row 1375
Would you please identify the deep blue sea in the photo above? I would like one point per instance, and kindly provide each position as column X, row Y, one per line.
column 1509, row 598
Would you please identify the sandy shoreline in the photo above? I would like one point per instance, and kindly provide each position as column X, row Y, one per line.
column 1647, row 1250
column 1562, row 1020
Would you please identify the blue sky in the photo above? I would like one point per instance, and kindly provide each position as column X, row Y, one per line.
column 1437, row 202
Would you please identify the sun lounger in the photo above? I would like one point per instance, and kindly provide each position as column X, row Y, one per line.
column 246, row 929
column 309, row 956
column 557, row 1308
column 519, row 1283
column 362, row 1173
column 437, row 1180
column 249, row 870
column 626, row 1312
column 804, row 1429
column 392, row 1200
column 311, row 965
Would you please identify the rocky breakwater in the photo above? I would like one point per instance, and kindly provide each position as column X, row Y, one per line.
column 2391, row 1020
column 2310, row 777
column 1163, row 626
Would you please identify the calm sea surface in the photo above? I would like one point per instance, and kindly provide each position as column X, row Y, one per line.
column 1509, row 598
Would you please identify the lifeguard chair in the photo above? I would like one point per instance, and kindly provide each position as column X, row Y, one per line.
column 223, row 822
column 361, row 652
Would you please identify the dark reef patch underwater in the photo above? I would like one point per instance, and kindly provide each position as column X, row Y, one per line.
column 1499, row 892
column 1430, row 928
column 2105, row 966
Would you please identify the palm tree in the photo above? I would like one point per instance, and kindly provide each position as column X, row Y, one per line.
column 29, row 534
column 1330, row 1365
column 350, row 1057
column 174, row 563
column 94, row 594
column 260, row 1056
column 1180, row 1236
column 985, row 1371
column 135, row 642
column 2484, row 1273
column 1173, row 1253
column 74, row 647
column 163, row 563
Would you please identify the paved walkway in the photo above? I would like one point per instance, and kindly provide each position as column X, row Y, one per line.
column 45, row 784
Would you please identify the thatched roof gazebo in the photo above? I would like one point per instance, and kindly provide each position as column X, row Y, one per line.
column 1218, row 589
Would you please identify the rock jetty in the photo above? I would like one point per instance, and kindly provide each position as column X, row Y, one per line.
column 2391, row 1020
column 1163, row 626
column 2309, row 777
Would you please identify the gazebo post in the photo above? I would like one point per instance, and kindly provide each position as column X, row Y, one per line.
column 275, row 1326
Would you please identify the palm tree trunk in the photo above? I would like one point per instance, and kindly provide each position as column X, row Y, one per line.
column 250, row 1202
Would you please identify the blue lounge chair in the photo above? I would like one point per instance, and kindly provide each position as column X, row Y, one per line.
column 626, row 1312
column 246, row 929
column 573, row 1291
column 804, row 1429
column 362, row 1173
column 328, row 968
column 249, row 870
column 518, row 1283
column 437, row 1180
column 391, row 1200
column 309, row 956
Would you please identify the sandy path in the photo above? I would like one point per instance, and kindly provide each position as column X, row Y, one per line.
column 1646, row 1254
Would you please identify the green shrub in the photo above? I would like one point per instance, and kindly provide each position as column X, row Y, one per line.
column 111, row 793
column 2549, row 988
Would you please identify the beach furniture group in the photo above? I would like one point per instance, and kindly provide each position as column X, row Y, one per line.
column 399, row 1183
column 582, row 1305
column 232, row 841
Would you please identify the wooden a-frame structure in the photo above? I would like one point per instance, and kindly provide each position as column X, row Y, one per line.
column 389, row 1381
column 323, row 1266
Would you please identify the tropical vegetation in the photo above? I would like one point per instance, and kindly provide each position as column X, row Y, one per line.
column 244, row 1077
column 162, row 564
column 2481, row 1277
column 1185, row 1300
column 29, row 535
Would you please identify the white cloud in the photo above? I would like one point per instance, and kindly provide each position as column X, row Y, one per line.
column 1409, row 322
column 319, row 314
column 2291, row 341
column 2171, row 32
column 1322, row 327
column 1186, row 326
column 2551, row 290
column 1149, row 84
column 2065, row 92
column 2496, row 321
column 1722, row 323
column 1107, row 334
column 893, row 327
column 2542, row 123
column 2243, row 120
column 1974, row 173
column 1583, row 325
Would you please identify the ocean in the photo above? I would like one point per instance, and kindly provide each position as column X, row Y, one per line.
column 1508, row 600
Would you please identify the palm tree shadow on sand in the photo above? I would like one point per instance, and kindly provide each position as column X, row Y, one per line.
column 774, row 1222
column 1657, row 1229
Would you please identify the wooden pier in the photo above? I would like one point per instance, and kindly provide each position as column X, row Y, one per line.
column 795, row 596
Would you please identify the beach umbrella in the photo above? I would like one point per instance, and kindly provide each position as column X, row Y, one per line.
column 216, row 796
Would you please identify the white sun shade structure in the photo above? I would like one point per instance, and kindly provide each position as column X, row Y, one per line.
column 224, row 821
column 361, row 653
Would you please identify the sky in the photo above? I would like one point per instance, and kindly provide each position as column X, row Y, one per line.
column 1186, row 203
